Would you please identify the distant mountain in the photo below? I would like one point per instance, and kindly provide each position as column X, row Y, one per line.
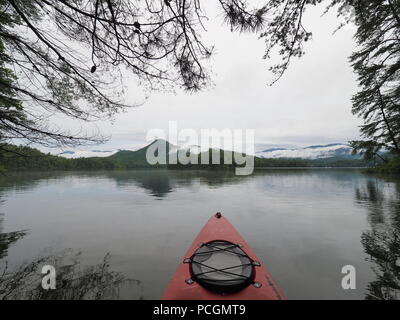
column 133, row 159
column 335, row 154
column 74, row 154
column 137, row 158
column 126, row 159
column 333, row 150
column 128, row 153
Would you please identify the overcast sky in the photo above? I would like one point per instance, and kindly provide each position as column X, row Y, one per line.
column 309, row 105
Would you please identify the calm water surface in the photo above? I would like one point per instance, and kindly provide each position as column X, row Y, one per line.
column 305, row 225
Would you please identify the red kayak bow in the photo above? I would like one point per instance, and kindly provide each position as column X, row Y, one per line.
column 221, row 265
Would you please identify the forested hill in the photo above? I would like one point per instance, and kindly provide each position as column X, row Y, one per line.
column 25, row 158
column 14, row 157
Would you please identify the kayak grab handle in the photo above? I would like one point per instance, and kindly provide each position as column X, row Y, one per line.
column 218, row 215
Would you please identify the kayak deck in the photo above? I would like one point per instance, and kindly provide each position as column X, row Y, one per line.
column 182, row 286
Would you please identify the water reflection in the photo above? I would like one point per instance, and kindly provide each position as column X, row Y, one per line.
column 7, row 239
column 305, row 223
column 381, row 198
column 372, row 197
column 383, row 248
column 158, row 183
column 73, row 282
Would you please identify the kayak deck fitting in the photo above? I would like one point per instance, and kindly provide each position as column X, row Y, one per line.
column 220, row 265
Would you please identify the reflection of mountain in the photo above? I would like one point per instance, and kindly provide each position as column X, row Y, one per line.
column 381, row 198
column 162, row 182
column 158, row 183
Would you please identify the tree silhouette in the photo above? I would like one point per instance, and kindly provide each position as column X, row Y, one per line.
column 381, row 199
column 377, row 65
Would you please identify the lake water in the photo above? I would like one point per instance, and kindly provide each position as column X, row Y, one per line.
column 304, row 224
